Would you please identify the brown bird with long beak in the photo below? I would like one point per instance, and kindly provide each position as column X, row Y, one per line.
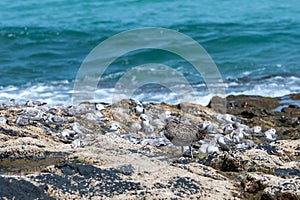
column 182, row 134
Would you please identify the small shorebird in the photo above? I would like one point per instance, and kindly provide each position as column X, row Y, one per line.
column 270, row 134
column 182, row 134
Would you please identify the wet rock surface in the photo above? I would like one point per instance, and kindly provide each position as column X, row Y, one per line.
column 119, row 151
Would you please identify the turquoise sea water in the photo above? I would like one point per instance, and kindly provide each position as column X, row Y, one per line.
column 255, row 45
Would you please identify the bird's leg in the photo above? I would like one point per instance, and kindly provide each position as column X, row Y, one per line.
column 190, row 148
column 182, row 150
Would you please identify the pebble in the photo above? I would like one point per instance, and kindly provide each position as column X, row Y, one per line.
column 134, row 140
column 66, row 110
column 155, row 142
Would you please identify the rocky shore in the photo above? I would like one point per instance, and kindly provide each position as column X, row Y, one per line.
column 119, row 151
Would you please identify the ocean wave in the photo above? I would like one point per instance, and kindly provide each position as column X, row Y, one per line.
column 255, row 49
column 62, row 91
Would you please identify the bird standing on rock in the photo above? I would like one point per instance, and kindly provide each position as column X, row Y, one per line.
column 145, row 124
column 182, row 134
column 270, row 134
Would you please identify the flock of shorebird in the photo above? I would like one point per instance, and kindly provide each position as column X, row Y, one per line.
column 227, row 133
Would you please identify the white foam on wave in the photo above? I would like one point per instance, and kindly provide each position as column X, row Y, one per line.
column 272, row 87
column 52, row 93
column 57, row 92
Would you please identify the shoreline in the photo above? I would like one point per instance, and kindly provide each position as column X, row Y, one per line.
column 53, row 150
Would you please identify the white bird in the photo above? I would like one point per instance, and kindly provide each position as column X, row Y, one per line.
column 98, row 113
column 100, row 106
column 32, row 114
column 3, row 120
column 77, row 143
column 167, row 114
column 139, row 108
column 95, row 116
column 113, row 126
column 256, row 129
column 226, row 118
column 145, row 123
column 31, row 103
column 237, row 135
column 145, row 117
column 270, row 134
column 56, row 119
column 204, row 124
column 212, row 148
column 208, row 128
column 227, row 128
column 67, row 134
column 146, row 126
column 245, row 144
column 245, row 128
column 203, row 148
column 77, row 128
column 225, row 142
column 209, row 148
column 91, row 117
column 135, row 127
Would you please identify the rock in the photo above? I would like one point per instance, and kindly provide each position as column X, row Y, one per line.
column 262, row 186
column 96, row 150
column 12, row 188
column 218, row 104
